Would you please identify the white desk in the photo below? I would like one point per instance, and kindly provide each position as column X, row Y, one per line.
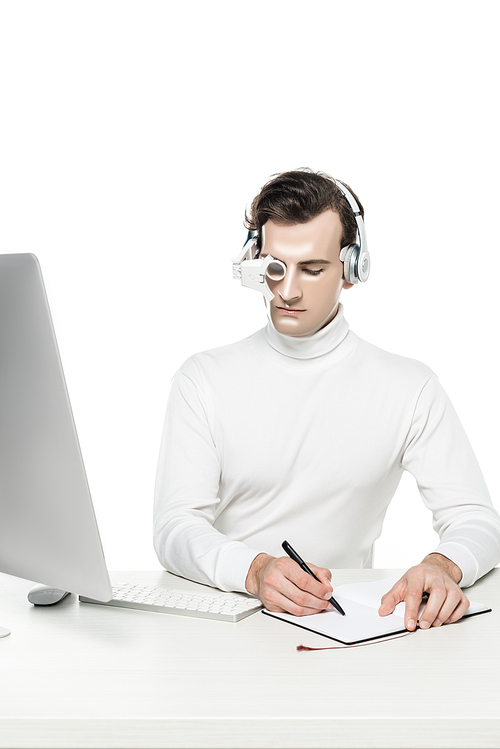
column 78, row 675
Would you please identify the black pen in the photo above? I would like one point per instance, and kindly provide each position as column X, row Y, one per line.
column 293, row 555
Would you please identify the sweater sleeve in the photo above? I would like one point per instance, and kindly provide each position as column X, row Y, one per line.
column 440, row 457
column 186, row 496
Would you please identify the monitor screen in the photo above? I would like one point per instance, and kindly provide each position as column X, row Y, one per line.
column 48, row 530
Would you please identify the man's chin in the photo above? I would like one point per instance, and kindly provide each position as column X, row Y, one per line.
column 290, row 326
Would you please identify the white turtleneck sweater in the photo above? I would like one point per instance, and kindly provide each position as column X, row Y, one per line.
column 306, row 439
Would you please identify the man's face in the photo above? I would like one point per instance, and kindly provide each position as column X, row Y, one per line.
column 306, row 299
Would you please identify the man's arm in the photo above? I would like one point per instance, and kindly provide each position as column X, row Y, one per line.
column 187, row 494
column 438, row 453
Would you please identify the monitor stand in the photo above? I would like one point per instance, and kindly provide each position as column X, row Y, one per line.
column 4, row 632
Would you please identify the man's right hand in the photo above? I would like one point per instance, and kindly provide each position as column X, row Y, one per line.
column 282, row 585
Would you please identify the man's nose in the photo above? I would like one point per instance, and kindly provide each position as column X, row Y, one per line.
column 289, row 288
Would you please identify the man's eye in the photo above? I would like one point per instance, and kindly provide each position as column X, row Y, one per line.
column 313, row 272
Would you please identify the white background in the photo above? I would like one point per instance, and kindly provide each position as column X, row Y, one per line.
column 134, row 134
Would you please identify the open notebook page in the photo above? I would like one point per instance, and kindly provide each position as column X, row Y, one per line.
column 360, row 602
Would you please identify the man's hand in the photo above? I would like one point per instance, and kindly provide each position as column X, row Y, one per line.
column 437, row 576
column 282, row 585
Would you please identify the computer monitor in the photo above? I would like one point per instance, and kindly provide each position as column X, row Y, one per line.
column 48, row 529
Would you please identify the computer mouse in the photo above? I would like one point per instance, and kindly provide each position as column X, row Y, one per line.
column 46, row 595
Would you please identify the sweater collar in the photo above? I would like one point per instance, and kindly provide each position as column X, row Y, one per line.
column 310, row 347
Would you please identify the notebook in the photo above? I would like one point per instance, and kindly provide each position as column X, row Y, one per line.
column 362, row 622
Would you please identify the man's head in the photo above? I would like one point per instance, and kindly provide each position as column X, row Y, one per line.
column 303, row 219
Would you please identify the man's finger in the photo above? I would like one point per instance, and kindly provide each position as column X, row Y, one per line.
column 322, row 573
column 286, row 596
column 390, row 600
column 453, row 609
column 437, row 597
column 287, row 579
column 281, row 602
column 304, row 581
column 453, row 600
column 413, row 601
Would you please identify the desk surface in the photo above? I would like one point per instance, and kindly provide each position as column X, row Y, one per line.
column 79, row 675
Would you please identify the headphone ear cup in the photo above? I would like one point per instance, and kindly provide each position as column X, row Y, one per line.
column 351, row 255
column 363, row 266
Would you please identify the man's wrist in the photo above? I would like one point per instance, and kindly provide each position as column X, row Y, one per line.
column 252, row 578
column 446, row 565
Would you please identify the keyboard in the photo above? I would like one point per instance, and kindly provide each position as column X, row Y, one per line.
column 226, row 607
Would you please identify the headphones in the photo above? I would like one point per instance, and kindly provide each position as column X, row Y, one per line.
column 253, row 271
column 355, row 257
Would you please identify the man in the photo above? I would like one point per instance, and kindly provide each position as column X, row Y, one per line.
column 302, row 431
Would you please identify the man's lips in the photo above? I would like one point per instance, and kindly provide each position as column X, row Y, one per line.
column 290, row 310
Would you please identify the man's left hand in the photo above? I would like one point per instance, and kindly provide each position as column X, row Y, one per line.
column 437, row 576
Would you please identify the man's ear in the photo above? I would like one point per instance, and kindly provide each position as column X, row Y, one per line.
column 346, row 285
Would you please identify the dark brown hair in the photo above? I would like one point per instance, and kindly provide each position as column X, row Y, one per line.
column 299, row 196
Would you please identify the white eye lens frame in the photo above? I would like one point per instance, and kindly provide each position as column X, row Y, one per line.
column 254, row 271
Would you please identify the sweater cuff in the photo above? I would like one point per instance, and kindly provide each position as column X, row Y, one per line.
column 463, row 558
column 234, row 566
